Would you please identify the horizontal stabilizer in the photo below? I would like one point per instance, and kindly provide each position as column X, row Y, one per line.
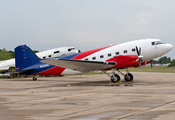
column 3, row 71
column 80, row 65
column 21, row 71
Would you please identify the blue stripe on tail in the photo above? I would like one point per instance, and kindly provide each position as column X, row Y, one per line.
column 25, row 57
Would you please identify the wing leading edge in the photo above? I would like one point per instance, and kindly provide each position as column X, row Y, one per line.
column 80, row 65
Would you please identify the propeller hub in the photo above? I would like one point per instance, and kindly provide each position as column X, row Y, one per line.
column 140, row 57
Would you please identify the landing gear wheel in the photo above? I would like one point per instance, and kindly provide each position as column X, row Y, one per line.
column 129, row 77
column 115, row 78
column 34, row 78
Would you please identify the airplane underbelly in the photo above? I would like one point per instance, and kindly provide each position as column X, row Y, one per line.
column 69, row 71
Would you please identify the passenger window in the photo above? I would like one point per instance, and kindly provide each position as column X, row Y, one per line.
column 109, row 55
column 49, row 55
column 125, row 51
column 56, row 52
column 133, row 50
column 86, row 59
column 44, row 57
column 117, row 53
column 93, row 58
column 102, row 56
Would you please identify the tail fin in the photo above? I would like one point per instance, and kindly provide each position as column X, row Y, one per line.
column 25, row 57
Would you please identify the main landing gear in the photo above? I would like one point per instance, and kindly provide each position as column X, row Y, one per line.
column 116, row 78
column 35, row 78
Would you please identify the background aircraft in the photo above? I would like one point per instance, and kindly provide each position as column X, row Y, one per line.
column 9, row 65
column 115, row 57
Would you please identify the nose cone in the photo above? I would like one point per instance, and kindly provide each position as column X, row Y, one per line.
column 169, row 47
column 162, row 49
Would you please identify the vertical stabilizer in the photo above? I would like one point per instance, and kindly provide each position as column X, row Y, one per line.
column 25, row 57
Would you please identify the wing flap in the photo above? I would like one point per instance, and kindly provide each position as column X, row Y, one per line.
column 80, row 65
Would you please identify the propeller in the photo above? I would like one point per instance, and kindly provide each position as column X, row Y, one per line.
column 151, row 64
column 138, row 51
column 139, row 56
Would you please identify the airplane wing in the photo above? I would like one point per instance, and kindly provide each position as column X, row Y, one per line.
column 80, row 65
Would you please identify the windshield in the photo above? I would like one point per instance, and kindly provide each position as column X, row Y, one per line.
column 157, row 43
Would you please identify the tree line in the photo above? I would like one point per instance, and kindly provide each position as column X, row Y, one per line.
column 165, row 60
column 162, row 60
column 5, row 55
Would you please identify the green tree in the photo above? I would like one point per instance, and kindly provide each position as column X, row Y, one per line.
column 35, row 51
column 172, row 64
column 169, row 60
column 4, row 54
column 12, row 53
column 164, row 60
column 155, row 62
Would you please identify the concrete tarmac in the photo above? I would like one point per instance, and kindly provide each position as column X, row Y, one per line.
column 89, row 97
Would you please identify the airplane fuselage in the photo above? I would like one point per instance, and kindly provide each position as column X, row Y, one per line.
column 124, row 55
column 5, row 65
column 149, row 50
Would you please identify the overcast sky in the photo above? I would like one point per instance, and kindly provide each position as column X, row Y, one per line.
column 84, row 24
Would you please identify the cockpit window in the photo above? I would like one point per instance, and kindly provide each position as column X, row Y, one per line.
column 153, row 43
column 156, row 43
column 70, row 49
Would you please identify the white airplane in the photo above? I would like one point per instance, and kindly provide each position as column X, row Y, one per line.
column 121, row 56
column 9, row 65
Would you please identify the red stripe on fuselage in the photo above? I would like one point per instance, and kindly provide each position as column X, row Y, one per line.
column 53, row 71
column 124, row 61
column 87, row 53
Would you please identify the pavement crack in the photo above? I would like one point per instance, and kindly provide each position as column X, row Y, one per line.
column 146, row 110
column 79, row 111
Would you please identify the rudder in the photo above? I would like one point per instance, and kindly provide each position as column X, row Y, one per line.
column 24, row 57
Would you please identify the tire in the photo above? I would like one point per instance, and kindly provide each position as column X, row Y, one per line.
column 34, row 79
column 115, row 78
column 129, row 77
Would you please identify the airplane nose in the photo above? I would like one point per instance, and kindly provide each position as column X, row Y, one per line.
column 169, row 47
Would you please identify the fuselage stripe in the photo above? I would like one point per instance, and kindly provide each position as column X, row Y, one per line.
column 87, row 53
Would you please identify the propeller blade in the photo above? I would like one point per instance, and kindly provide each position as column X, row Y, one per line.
column 137, row 51
column 139, row 56
column 140, row 66
column 151, row 64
